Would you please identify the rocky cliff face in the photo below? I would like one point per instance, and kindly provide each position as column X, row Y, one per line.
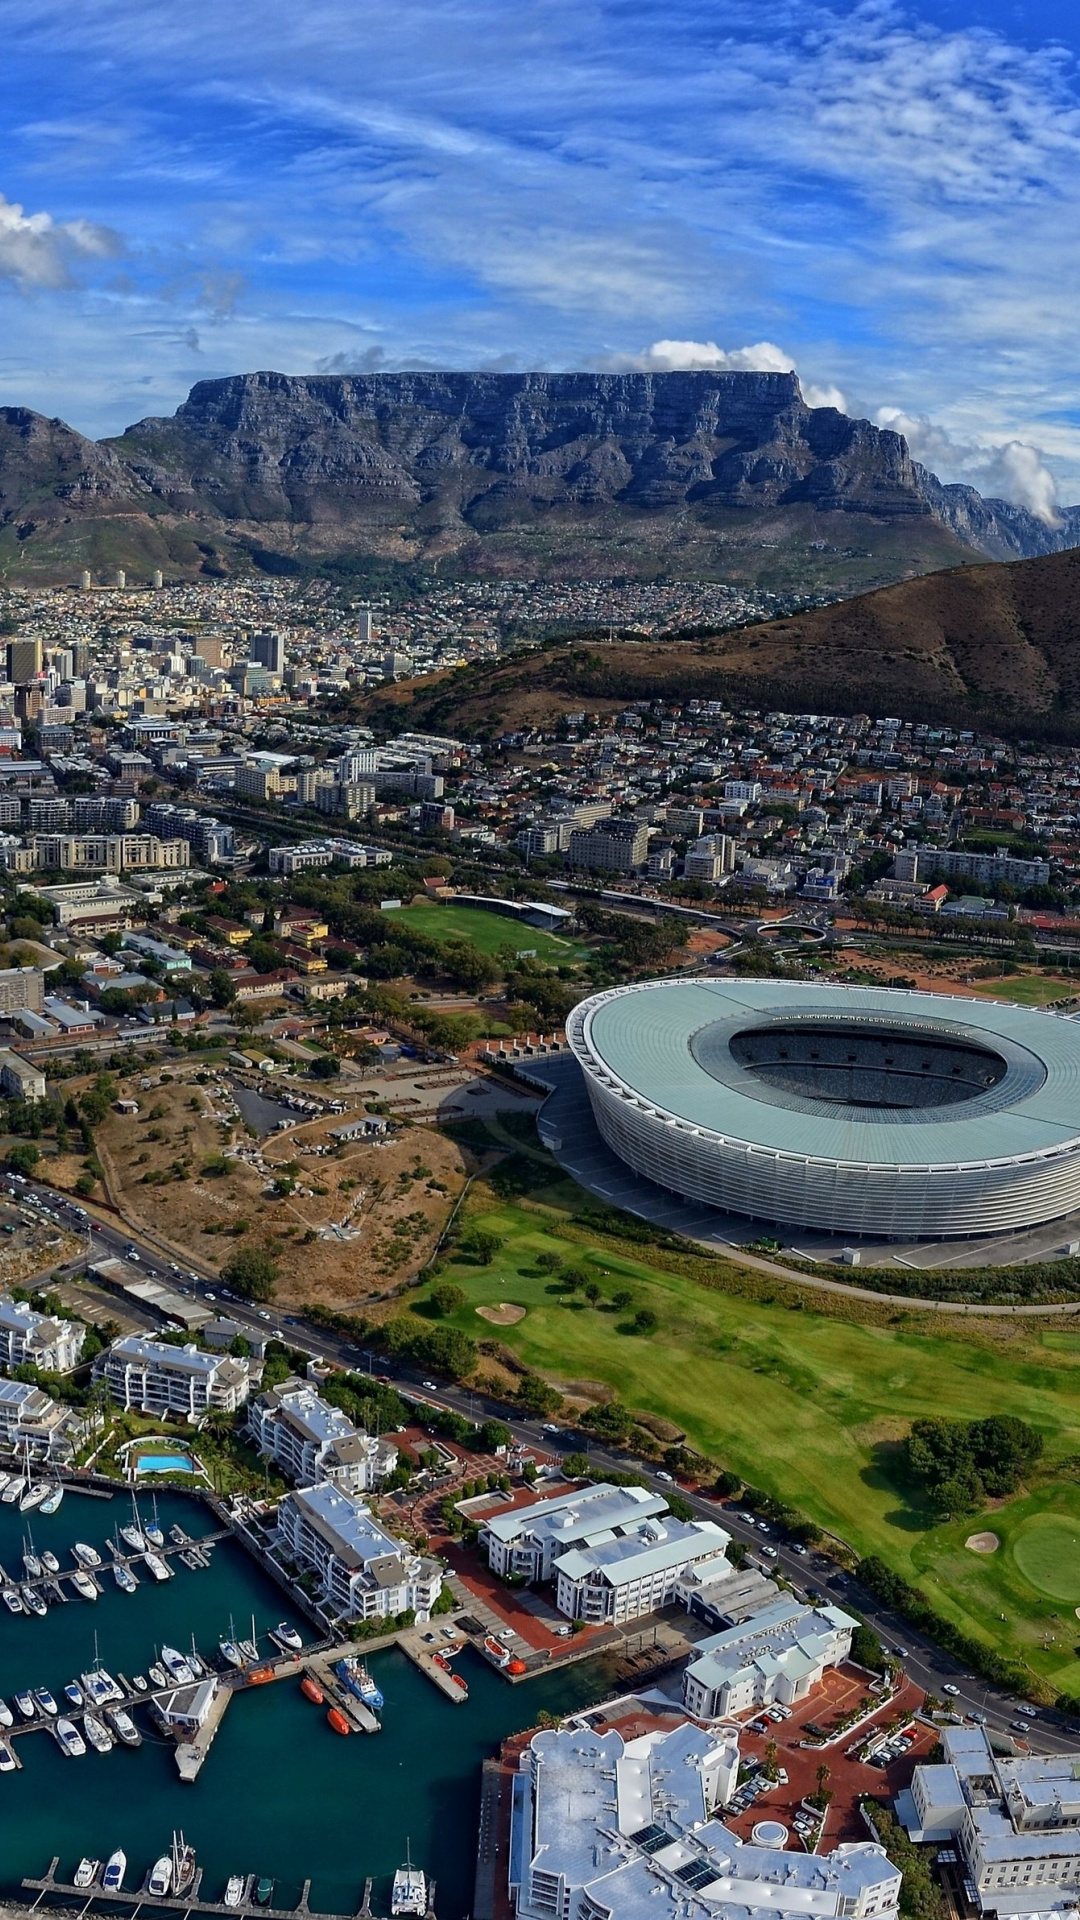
column 575, row 473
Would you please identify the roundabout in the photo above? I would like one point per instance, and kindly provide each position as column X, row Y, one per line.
column 857, row 1110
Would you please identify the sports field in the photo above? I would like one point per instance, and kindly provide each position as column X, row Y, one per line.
column 1028, row 989
column 489, row 932
column 811, row 1406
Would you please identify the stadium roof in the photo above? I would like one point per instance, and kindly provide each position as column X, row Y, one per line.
column 673, row 1055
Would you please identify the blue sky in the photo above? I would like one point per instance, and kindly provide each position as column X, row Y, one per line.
column 886, row 196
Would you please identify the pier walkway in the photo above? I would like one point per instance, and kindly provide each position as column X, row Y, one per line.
column 412, row 1645
column 192, row 1902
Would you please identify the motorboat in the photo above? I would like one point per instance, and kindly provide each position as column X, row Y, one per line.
column 74, row 1694
column 158, row 1675
column 159, row 1569
column 123, row 1726
column 33, row 1601
column 234, row 1889
column 112, row 1690
column 124, row 1578
column 86, row 1556
column 115, row 1869
column 287, row 1636
column 86, row 1872
column 409, row 1893
column 7, row 1718
column 45, row 1701
column 11, row 1600
column 53, row 1499
column 97, row 1733
column 69, row 1740
column 159, row 1879
column 83, row 1584
column 34, row 1495
column 176, row 1666
column 49, row 1561
column 8, row 1762
column 139, row 1682
column 27, row 1705
column 96, row 1688
column 14, row 1490
column 264, row 1891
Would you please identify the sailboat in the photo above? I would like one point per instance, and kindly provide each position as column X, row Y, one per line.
column 53, row 1499
column 133, row 1533
column 183, row 1865
column 250, row 1648
column 153, row 1529
column 410, row 1889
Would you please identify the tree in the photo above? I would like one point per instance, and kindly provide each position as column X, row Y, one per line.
column 536, row 1397
column 622, row 1298
column 645, row 1320
column 326, row 1067
column 867, row 1650
column 494, row 1434
column 446, row 1298
column 222, row 987
column 251, row 1272
column 23, row 1157
column 548, row 1263
column 479, row 1245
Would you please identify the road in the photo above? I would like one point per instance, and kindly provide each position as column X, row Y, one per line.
column 926, row 1663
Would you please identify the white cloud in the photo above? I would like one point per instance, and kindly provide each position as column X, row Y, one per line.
column 1011, row 470
column 695, row 356
column 36, row 251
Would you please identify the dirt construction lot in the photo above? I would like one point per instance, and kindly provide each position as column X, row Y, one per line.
column 343, row 1220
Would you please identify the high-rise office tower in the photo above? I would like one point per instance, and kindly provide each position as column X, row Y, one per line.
column 24, row 660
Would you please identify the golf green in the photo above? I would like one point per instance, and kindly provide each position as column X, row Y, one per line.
column 1046, row 1549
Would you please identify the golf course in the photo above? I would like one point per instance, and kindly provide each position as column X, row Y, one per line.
column 811, row 1404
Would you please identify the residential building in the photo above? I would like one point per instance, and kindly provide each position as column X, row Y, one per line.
column 37, row 1339
column 112, row 852
column 710, row 858
column 637, row 1572
column 22, row 989
column 526, row 1541
column 19, row 1080
column 364, row 1573
column 158, row 1378
column 258, row 782
column 613, row 845
column 607, row 1828
column 1015, row 1822
column 32, row 1422
column 921, row 863
column 311, row 1441
column 775, row 1658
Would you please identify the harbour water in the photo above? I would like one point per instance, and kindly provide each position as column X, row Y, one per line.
column 280, row 1794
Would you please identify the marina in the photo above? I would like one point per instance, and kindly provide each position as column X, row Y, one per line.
column 278, row 1796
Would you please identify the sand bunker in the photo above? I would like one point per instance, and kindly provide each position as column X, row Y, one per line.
column 982, row 1542
column 504, row 1315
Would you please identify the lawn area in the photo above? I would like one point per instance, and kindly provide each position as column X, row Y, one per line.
column 490, row 932
column 1028, row 989
column 810, row 1406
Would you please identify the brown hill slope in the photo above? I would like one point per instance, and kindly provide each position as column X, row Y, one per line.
column 996, row 644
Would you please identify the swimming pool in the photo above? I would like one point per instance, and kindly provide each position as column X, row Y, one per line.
column 164, row 1463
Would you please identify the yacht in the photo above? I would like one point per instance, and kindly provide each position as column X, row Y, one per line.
column 83, row 1584
column 11, row 1600
column 33, row 1601
column 287, row 1636
column 97, row 1733
column 14, row 1490
column 87, row 1872
column 124, row 1578
column 52, row 1500
column 69, row 1740
column 26, row 1705
column 7, row 1718
column 234, row 1889
column 86, row 1556
column 158, row 1568
column 176, row 1666
column 97, row 1692
column 115, row 1869
column 50, row 1562
column 135, row 1539
column 8, row 1762
column 159, row 1879
column 34, row 1496
column 111, row 1690
column 410, row 1890
column 123, row 1726
column 74, row 1694
column 45, row 1701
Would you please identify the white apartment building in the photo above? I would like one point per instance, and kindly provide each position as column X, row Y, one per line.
column 710, row 858
column 159, row 1378
column 113, row 852
column 19, row 1079
column 364, row 1573
column 1014, row 1822
column 312, row 1441
column 604, row 1828
column 526, row 1541
column 773, row 1659
column 636, row 1573
column 32, row 1422
column 37, row 1339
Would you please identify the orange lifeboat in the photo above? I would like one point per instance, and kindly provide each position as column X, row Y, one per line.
column 312, row 1691
column 516, row 1666
column 336, row 1719
column 259, row 1676
column 459, row 1681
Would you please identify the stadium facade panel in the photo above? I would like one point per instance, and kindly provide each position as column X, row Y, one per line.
column 854, row 1110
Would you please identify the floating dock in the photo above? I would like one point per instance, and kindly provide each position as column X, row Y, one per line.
column 357, row 1713
column 423, row 1656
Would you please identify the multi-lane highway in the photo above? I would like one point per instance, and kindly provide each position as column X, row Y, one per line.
column 804, row 1570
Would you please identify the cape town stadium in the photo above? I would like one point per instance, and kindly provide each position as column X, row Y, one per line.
column 846, row 1109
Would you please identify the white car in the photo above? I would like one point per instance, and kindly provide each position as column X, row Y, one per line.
column 429, row 1386
column 953, row 1692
